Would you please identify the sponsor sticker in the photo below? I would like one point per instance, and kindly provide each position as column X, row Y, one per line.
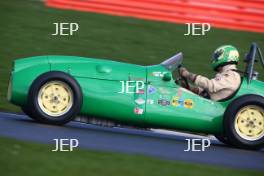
column 164, row 97
column 164, row 102
column 150, row 101
column 175, row 101
column 151, row 90
column 140, row 101
column 158, row 74
column 181, row 102
column 188, row 103
column 140, row 91
column 138, row 111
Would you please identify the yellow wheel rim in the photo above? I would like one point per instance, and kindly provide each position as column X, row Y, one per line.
column 249, row 123
column 55, row 98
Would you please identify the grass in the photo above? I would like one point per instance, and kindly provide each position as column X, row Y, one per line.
column 26, row 28
column 25, row 159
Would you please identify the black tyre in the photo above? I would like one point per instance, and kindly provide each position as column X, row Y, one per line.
column 55, row 98
column 244, row 122
column 27, row 111
column 222, row 138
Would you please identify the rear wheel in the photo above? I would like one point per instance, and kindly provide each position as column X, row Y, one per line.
column 55, row 98
column 244, row 122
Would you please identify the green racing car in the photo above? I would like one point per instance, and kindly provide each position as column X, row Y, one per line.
column 55, row 89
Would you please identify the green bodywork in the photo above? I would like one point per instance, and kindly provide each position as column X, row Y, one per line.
column 165, row 105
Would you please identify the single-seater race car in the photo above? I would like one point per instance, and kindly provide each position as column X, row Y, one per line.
column 55, row 89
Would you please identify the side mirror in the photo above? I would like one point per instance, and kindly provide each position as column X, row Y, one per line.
column 166, row 77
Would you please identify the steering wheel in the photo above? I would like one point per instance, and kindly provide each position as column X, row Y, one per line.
column 187, row 85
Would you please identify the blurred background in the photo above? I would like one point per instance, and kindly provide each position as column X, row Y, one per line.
column 142, row 32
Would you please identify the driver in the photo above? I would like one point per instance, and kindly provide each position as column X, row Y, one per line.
column 226, row 81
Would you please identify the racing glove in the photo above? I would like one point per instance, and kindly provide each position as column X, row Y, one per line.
column 188, row 75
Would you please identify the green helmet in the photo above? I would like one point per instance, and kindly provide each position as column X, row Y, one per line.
column 224, row 55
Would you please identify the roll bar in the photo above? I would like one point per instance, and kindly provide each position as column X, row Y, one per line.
column 250, row 59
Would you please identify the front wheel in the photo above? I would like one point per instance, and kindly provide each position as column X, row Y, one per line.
column 55, row 98
column 27, row 112
column 222, row 138
column 244, row 122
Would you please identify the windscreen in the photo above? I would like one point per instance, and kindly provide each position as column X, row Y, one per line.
column 173, row 62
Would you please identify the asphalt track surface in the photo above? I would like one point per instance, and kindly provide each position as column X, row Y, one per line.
column 132, row 141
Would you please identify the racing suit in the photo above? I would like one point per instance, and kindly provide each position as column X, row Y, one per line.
column 224, row 84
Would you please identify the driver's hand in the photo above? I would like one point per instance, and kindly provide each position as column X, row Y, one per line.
column 184, row 72
column 183, row 84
